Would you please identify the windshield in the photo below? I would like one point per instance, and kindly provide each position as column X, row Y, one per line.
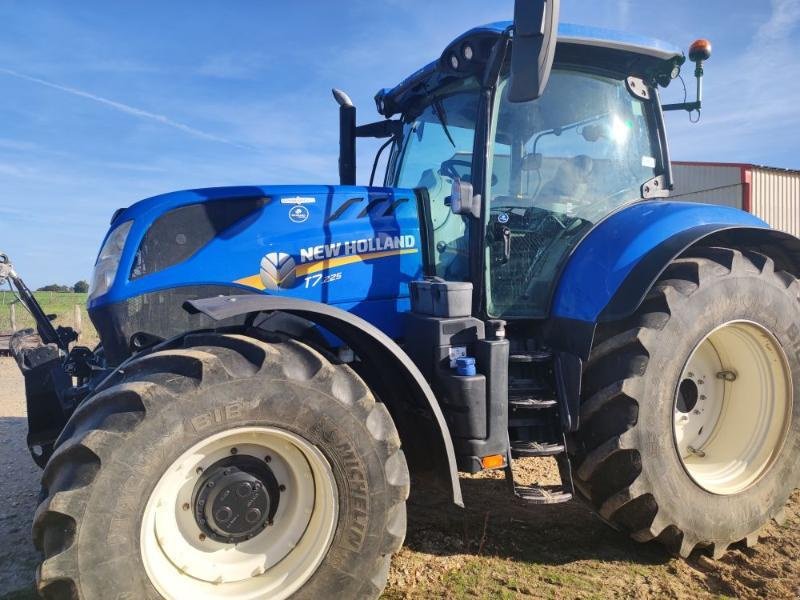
column 438, row 139
column 560, row 164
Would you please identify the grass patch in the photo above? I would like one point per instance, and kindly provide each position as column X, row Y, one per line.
column 54, row 303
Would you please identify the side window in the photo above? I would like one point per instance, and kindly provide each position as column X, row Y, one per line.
column 437, row 148
column 559, row 164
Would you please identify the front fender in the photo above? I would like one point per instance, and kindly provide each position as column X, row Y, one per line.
column 389, row 371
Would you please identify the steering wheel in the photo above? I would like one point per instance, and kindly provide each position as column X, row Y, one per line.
column 448, row 167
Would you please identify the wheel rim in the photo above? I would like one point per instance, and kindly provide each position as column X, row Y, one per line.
column 732, row 408
column 184, row 560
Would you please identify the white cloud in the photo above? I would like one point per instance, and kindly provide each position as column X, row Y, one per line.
column 14, row 170
column 125, row 108
column 785, row 16
column 751, row 99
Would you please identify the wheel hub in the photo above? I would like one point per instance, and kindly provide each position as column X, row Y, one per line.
column 236, row 499
column 733, row 407
column 194, row 550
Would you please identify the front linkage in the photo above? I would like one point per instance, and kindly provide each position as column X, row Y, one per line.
column 50, row 368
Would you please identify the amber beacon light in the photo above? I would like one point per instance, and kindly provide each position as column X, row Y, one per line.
column 699, row 52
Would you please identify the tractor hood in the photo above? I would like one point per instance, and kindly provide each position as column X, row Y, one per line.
column 344, row 245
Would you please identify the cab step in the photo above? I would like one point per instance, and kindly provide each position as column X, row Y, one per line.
column 536, row 449
column 546, row 494
column 543, row 494
column 526, row 402
column 534, row 356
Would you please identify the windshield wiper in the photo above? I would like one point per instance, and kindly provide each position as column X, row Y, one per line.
column 438, row 110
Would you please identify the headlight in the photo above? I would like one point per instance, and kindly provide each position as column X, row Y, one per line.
column 105, row 269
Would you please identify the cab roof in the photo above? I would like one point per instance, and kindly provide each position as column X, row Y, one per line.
column 643, row 54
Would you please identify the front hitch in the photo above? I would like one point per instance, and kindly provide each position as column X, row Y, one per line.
column 61, row 337
column 45, row 360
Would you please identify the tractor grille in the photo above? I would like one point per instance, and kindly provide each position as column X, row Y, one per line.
column 160, row 314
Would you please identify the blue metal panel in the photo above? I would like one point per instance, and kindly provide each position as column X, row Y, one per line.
column 608, row 254
column 362, row 260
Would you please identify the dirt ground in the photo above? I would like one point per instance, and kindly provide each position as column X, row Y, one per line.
column 497, row 548
column 19, row 485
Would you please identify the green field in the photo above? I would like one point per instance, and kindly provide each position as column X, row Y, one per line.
column 54, row 303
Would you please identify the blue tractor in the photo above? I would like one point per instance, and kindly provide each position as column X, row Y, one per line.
column 280, row 366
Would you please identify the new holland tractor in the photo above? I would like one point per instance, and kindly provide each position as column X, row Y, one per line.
column 280, row 366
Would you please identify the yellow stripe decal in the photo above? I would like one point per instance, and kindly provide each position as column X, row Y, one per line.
column 254, row 281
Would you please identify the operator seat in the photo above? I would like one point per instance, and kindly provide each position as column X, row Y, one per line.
column 569, row 186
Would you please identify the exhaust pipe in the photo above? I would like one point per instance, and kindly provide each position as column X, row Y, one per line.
column 347, row 138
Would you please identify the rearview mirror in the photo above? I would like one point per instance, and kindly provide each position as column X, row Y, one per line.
column 533, row 48
column 463, row 201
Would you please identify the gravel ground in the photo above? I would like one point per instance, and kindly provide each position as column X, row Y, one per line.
column 497, row 548
column 19, row 485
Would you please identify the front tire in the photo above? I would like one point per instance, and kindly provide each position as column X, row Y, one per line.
column 690, row 426
column 140, row 496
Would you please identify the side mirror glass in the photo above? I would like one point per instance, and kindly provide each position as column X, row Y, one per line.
column 533, row 48
column 463, row 201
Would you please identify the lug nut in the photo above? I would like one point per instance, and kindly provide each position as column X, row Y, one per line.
column 185, row 506
column 202, row 537
column 698, row 453
column 198, row 470
column 267, row 458
column 282, row 487
column 234, row 450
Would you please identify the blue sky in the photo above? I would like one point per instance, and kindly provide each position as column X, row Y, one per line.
column 105, row 103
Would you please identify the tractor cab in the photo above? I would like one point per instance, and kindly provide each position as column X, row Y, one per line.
column 545, row 170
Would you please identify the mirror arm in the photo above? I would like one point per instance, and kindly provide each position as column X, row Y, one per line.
column 699, row 52
column 697, row 105
column 380, row 129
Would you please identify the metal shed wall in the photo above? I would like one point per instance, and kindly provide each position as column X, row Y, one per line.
column 775, row 197
column 770, row 194
column 711, row 184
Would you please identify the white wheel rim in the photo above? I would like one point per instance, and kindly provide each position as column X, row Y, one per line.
column 182, row 562
column 733, row 407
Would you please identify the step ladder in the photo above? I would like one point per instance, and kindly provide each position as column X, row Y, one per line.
column 543, row 494
column 535, row 426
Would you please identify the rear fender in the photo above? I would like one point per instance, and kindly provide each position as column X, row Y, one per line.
column 387, row 370
column 611, row 271
column 615, row 265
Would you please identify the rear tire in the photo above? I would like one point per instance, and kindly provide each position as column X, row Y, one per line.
column 634, row 463
column 122, row 512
